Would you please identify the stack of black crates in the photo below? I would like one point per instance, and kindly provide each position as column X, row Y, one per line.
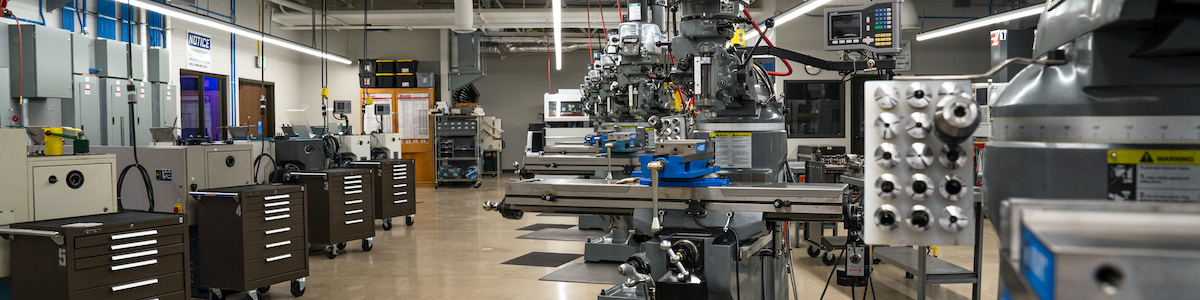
column 385, row 73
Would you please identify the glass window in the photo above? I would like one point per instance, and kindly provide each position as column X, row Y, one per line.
column 814, row 109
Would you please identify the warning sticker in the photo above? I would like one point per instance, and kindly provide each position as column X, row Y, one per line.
column 1154, row 175
column 734, row 150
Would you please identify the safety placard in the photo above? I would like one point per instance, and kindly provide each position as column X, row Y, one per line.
column 1154, row 175
column 734, row 149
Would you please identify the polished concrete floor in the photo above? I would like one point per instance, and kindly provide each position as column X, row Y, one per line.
column 454, row 251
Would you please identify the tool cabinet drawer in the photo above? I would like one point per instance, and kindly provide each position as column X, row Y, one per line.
column 129, row 245
column 273, row 218
column 129, row 270
column 274, row 247
column 250, row 202
column 135, row 289
column 124, row 237
column 128, row 256
column 269, row 266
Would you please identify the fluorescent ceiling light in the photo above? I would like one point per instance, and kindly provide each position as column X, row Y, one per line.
column 977, row 23
column 793, row 13
column 557, row 12
column 177, row 13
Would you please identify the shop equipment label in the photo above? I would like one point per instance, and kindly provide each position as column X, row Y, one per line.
column 1154, row 175
column 734, row 150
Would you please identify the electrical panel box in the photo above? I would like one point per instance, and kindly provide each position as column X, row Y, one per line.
column 163, row 103
column 177, row 170
column 158, row 65
column 114, row 113
column 45, row 71
column 920, row 187
column 144, row 109
column 359, row 145
column 4, row 62
column 87, row 106
column 388, row 143
column 81, row 53
column 72, row 185
column 112, row 58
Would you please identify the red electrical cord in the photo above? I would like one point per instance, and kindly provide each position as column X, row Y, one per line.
column 763, row 36
column 619, row 13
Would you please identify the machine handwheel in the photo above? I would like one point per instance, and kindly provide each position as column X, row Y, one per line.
column 829, row 259
column 331, row 252
column 477, row 184
column 297, row 290
column 387, row 224
column 813, row 251
column 409, row 220
column 367, row 245
column 341, row 246
column 264, row 290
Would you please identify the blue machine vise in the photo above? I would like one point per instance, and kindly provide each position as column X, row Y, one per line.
column 687, row 170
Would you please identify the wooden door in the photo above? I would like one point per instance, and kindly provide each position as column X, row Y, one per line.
column 251, row 96
column 420, row 150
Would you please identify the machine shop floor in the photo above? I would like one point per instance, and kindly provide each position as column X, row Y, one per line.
column 455, row 250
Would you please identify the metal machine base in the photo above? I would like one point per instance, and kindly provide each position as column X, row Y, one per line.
column 604, row 249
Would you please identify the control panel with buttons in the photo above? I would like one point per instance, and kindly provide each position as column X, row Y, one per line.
column 873, row 27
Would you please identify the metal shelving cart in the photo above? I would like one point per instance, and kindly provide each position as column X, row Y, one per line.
column 456, row 145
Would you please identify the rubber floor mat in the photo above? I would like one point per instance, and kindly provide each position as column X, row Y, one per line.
column 540, row 226
column 570, row 235
column 543, row 259
column 601, row 273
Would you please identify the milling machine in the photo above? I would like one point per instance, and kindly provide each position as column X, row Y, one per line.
column 708, row 198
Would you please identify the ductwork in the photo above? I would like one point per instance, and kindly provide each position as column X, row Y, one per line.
column 513, row 49
column 464, row 16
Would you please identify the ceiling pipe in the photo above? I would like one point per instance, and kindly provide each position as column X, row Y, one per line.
column 301, row 8
column 514, row 49
column 464, row 16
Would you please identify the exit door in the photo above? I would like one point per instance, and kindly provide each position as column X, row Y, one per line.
column 256, row 107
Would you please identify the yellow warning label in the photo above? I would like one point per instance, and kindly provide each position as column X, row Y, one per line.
column 1154, row 157
column 716, row 134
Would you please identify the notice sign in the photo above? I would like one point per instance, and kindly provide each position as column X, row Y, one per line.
column 199, row 52
column 1154, row 175
column 734, row 150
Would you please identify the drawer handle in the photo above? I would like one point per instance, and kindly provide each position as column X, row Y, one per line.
column 279, row 217
column 400, row 201
column 134, row 234
column 352, row 177
column 275, row 211
column 273, row 259
column 133, row 245
column 274, row 204
column 281, row 230
column 353, row 202
column 351, row 212
column 283, row 243
column 401, row 193
column 132, row 255
column 356, row 221
column 399, row 173
column 353, row 182
column 400, row 178
column 352, row 187
column 134, row 285
column 277, row 197
column 353, row 192
column 400, row 185
column 134, row 265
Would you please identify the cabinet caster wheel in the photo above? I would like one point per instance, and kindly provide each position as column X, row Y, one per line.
column 264, row 290
column 813, row 251
column 218, row 294
column 409, row 220
column 248, row 297
column 297, row 288
column 341, row 246
column 367, row 245
column 876, row 261
column 331, row 252
column 908, row 275
column 477, row 184
column 387, row 224
column 829, row 258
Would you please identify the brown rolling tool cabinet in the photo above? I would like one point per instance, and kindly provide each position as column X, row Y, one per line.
column 395, row 190
column 341, row 207
column 128, row 255
column 250, row 238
